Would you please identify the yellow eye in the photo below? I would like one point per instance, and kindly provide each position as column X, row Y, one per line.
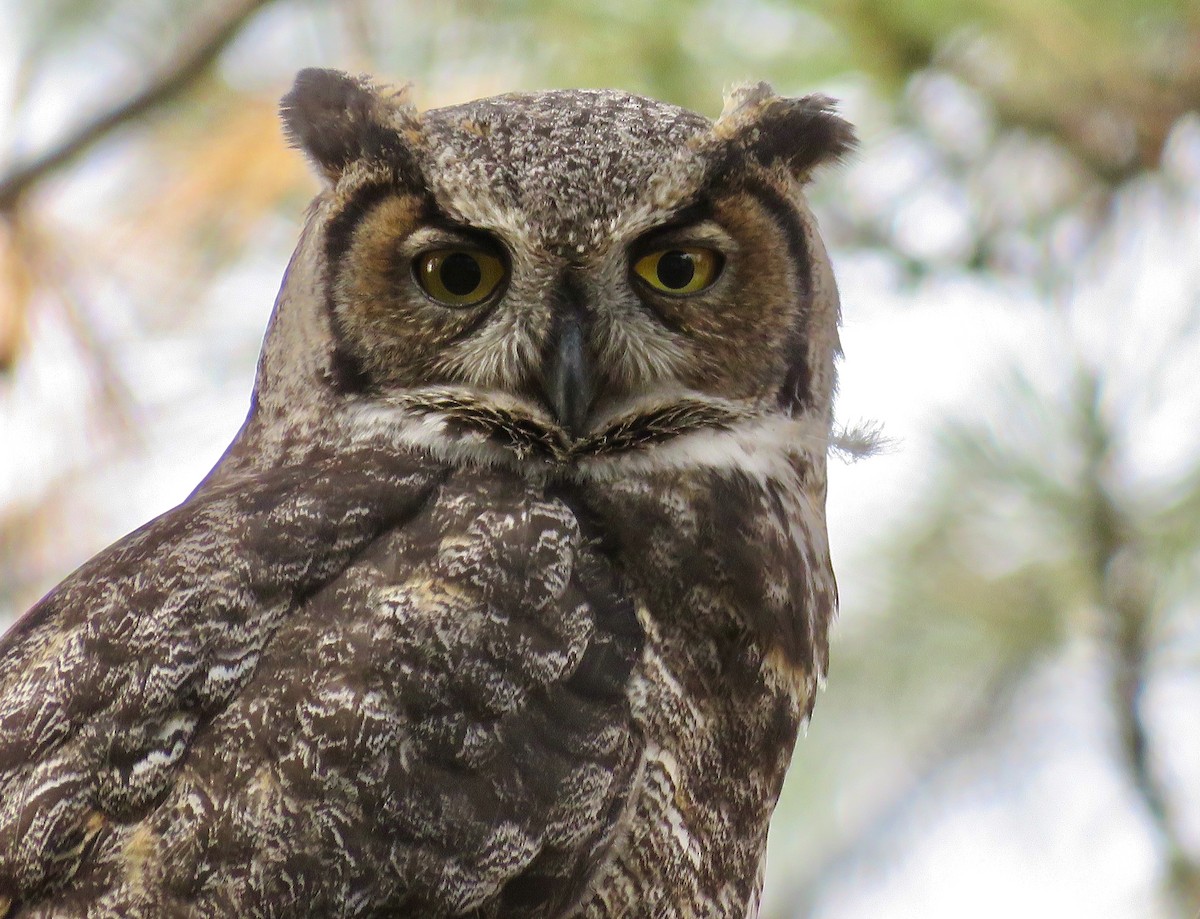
column 682, row 271
column 458, row 277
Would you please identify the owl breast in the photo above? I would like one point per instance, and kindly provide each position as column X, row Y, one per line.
column 714, row 565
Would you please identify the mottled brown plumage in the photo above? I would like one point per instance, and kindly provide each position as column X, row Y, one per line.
column 497, row 606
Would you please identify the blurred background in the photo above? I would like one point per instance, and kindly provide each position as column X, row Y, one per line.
column 1012, row 721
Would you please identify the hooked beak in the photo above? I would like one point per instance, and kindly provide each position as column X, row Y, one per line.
column 568, row 374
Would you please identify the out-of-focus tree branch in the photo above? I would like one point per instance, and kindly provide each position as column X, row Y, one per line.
column 1124, row 596
column 210, row 36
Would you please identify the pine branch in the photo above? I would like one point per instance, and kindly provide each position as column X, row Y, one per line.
column 1125, row 598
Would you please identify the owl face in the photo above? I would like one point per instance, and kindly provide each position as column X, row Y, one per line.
column 577, row 259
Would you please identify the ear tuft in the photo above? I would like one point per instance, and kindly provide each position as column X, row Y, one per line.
column 337, row 119
column 800, row 134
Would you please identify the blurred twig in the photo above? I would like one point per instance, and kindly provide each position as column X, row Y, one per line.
column 16, row 285
column 210, row 36
column 1124, row 595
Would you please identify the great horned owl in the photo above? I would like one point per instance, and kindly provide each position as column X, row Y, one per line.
column 512, row 591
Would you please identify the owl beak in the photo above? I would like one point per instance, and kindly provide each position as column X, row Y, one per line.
column 568, row 374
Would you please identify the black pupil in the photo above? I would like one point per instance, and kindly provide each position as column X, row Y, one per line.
column 676, row 269
column 460, row 273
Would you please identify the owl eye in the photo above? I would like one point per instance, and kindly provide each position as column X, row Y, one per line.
column 682, row 271
column 458, row 277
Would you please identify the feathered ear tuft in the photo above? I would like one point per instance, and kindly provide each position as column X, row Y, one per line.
column 800, row 134
column 338, row 119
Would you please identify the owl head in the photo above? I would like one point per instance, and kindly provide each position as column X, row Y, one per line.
column 558, row 275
